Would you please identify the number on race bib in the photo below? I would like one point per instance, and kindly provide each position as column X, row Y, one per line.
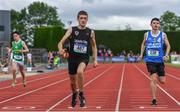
column 153, row 53
column 17, row 57
column 80, row 48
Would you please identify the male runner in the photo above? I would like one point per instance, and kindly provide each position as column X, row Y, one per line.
column 154, row 42
column 18, row 48
column 80, row 38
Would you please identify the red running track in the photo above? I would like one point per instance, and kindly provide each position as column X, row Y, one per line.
column 109, row 87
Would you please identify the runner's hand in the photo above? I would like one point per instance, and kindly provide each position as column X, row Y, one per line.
column 140, row 57
column 62, row 51
column 166, row 58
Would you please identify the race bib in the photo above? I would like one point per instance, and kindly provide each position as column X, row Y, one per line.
column 153, row 53
column 80, row 48
column 18, row 57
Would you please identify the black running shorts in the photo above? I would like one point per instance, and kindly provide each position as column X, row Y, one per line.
column 73, row 65
column 156, row 68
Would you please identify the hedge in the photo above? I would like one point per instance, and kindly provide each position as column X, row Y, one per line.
column 48, row 37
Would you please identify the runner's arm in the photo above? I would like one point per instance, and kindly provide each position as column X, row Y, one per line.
column 168, row 47
column 94, row 46
column 143, row 45
column 25, row 48
column 64, row 38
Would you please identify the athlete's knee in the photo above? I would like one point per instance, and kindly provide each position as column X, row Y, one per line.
column 73, row 82
column 153, row 81
column 13, row 69
column 22, row 71
column 162, row 81
column 80, row 72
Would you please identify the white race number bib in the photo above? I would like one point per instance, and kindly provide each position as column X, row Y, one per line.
column 153, row 53
column 80, row 48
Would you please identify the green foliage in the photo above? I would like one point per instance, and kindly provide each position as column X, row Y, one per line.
column 35, row 15
column 169, row 21
column 115, row 40
column 40, row 14
column 120, row 40
column 173, row 38
column 130, row 40
column 48, row 37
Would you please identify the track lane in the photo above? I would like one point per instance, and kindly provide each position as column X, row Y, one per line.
column 101, row 95
column 42, row 96
column 170, row 101
column 171, row 85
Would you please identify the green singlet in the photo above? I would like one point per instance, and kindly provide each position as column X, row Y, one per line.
column 17, row 56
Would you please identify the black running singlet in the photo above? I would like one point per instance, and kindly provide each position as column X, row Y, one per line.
column 80, row 43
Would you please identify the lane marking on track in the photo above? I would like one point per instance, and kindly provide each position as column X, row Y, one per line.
column 9, row 99
column 32, row 107
column 120, row 90
column 70, row 107
column 176, row 101
column 98, row 107
column 4, row 107
column 170, row 75
column 141, row 107
column 33, row 80
column 23, row 107
column 62, row 100
column 151, row 107
column 18, row 107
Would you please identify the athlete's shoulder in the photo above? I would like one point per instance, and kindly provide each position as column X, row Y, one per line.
column 146, row 34
column 23, row 41
column 88, row 28
column 164, row 35
column 74, row 27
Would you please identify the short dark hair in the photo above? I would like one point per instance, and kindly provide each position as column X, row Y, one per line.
column 15, row 32
column 155, row 19
column 82, row 12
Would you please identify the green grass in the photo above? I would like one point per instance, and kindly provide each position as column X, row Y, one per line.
column 173, row 65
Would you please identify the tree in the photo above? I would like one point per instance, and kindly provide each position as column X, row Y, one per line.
column 35, row 15
column 169, row 21
column 128, row 27
column 40, row 14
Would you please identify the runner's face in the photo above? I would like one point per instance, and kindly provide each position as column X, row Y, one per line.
column 16, row 37
column 82, row 19
column 155, row 25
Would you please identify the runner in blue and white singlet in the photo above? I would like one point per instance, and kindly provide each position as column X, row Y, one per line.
column 153, row 43
column 154, row 48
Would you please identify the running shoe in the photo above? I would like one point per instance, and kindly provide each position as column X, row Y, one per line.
column 154, row 102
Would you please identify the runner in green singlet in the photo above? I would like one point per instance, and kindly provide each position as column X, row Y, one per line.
column 18, row 49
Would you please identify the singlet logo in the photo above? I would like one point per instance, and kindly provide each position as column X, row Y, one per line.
column 159, row 40
column 76, row 33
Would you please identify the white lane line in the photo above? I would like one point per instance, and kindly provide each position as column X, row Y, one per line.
column 53, row 106
column 9, row 99
column 176, row 101
column 120, row 90
column 34, row 80
column 172, row 76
